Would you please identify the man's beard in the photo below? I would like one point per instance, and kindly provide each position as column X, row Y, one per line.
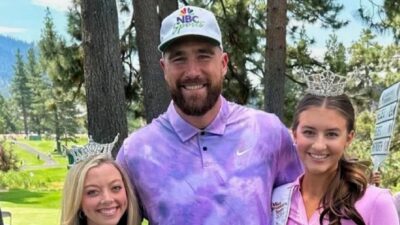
column 196, row 105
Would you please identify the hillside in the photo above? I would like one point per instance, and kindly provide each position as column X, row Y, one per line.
column 8, row 49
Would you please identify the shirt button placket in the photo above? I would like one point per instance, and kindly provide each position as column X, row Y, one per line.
column 204, row 149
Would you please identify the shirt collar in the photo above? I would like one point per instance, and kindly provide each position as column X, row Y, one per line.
column 297, row 182
column 185, row 131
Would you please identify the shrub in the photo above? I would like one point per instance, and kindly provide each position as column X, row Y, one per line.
column 8, row 160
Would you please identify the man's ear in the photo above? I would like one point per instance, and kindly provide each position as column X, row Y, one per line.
column 225, row 60
column 162, row 63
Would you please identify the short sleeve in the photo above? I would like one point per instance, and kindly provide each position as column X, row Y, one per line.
column 383, row 210
column 120, row 157
column 289, row 164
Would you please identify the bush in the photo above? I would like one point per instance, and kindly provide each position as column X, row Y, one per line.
column 8, row 160
column 39, row 179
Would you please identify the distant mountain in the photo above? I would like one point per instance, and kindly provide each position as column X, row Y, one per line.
column 8, row 49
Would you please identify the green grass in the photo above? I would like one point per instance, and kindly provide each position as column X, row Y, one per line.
column 33, row 216
column 24, row 198
column 47, row 147
column 27, row 158
column 32, row 207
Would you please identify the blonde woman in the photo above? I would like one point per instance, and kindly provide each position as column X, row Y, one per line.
column 97, row 192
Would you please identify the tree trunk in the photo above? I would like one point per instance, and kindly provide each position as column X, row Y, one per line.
column 103, row 71
column 147, row 25
column 275, row 66
column 25, row 117
column 57, row 131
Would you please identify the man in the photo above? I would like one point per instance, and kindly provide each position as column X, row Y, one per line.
column 206, row 160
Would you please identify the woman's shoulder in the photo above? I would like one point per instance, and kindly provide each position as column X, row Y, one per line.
column 375, row 196
column 376, row 191
column 377, row 206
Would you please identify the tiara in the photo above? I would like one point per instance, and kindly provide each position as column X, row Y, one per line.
column 78, row 154
column 325, row 83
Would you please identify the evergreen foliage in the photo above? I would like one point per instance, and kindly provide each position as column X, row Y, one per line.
column 382, row 17
column 58, row 63
column 21, row 91
column 8, row 49
column 8, row 160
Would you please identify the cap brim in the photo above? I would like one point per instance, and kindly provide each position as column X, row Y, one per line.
column 164, row 46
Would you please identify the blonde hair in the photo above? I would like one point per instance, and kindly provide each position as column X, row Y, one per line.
column 73, row 189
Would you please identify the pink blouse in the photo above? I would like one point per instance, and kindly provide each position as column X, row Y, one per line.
column 376, row 208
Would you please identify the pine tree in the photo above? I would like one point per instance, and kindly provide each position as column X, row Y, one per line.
column 21, row 91
column 61, row 102
column 40, row 93
column 335, row 55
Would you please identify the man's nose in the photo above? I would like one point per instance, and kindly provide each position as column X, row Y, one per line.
column 193, row 68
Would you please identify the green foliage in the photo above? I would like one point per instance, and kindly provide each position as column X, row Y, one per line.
column 43, row 179
column 20, row 89
column 379, row 70
column 335, row 55
column 39, row 87
column 8, row 159
column 382, row 17
column 365, row 64
column 312, row 11
column 240, row 23
column 298, row 54
column 63, row 66
column 8, row 116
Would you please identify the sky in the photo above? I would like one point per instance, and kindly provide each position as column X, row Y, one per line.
column 350, row 33
column 23, row 20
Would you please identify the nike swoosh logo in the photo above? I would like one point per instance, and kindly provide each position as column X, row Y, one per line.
column 242, row 152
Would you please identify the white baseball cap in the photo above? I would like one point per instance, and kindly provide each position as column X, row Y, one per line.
column 188, row 21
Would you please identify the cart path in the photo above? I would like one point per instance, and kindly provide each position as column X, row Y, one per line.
column 48, row 161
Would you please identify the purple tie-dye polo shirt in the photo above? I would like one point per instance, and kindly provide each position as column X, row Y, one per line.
column 223, row 174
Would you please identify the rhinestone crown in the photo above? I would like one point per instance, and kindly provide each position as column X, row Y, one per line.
column 93, row 148
column 325, row 83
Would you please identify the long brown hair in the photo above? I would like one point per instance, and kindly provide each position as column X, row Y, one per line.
column 350, row 181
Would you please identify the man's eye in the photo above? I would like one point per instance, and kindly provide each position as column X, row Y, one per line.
column 204, row 56
column 178, row 59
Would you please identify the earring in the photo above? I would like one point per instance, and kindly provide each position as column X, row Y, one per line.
column 81, row 215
